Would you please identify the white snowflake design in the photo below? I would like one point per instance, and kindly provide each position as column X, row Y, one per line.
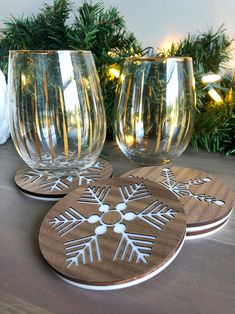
column 48, row 183
column 181, row 189
column 91, row 174
column 58, row 183
column 32, row 176
column 132, row 247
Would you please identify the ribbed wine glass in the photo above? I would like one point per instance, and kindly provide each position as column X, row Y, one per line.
column 155, row 103
column 56, row 110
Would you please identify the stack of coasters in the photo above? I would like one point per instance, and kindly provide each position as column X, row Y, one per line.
column 50, row 188
column 206, row 200
column 113, row 233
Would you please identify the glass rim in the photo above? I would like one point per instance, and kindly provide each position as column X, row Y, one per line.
column 48, row 51
column 160, row 59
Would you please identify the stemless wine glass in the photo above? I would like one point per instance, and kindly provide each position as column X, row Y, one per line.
column 56, row 110
column 154, row 108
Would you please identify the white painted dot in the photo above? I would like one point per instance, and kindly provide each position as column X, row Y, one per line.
column 119, row 228
column 129, row 216
column 100, row 230
column 206, row 179
column 93, row 219
column 220, row 203
column 104, row 208
column 121, row 206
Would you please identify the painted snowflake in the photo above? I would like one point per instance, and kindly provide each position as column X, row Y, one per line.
column 132, row 247
column 57, row 183
column 181, row 189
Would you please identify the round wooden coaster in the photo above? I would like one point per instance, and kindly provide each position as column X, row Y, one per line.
column 53, row 188
column 113, row 234
column 207, row 201
column 207, row 232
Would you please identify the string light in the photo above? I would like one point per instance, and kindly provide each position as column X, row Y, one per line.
column 209, row 78
column 114, row 72
column 23, row 79
column 215, row 96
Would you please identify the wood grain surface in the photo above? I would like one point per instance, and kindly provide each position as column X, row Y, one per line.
column 200, row 280
column 31, row 182
column 112, row 232
column 205, row 198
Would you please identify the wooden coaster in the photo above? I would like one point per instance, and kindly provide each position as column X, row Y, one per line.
column 113, row 234
column 207, row 201
column 206, row 232
column 53, row 188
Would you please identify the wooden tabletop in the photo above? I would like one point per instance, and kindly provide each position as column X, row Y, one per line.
column 200, row 280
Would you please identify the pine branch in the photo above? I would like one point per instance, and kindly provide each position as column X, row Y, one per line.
column 214, row 125
column 52, row 28
column 47, row 30
column 209, row 50
column 85, row 28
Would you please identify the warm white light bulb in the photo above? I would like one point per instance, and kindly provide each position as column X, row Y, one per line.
column 214, row 95
column 23, row 79
column 211, row 78
column 114, row 72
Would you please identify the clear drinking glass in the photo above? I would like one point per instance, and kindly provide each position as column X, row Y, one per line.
column 155, row 103
column 56, row 110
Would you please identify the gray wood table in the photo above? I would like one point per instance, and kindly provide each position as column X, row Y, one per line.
column 200, row 280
